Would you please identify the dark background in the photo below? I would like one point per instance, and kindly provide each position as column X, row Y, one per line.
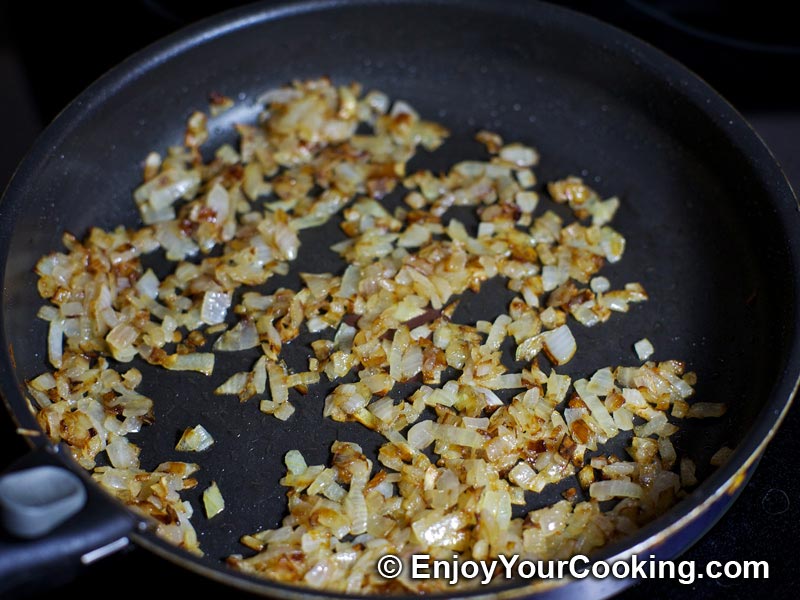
column 750, row 52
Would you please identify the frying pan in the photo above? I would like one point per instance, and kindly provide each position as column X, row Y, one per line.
column 711, row 222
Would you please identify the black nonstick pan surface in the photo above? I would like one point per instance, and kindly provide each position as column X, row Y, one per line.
column 712, row 226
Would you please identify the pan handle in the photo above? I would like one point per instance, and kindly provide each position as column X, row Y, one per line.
column 53, row 524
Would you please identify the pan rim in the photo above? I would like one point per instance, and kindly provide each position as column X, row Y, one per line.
column 771, row 176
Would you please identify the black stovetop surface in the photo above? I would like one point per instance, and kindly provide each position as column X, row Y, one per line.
column 49, row 55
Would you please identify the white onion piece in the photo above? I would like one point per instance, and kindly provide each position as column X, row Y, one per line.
column 277, row 383
column 704, row 410
column 623, row 419
column 242, row 336
column 527, row 201
column 383, row 409
column 55, row 342
column 721, row 456
column 260, row 375
column 688, row 478
column 608, row 490
column 215, row 307
column 585, row 315
column 552, row 277
column 476, row 422
column 485, row 229
column 218, row 201
column 194, row 439
column 355, row 504
column 440, row 396
column 165, row 189
column 48, row 313
column 491, row 399
column 603, row 211
column 421, row 435
column 573, row 414
column 72, row 309
column 612, row 244
column 411, row 363
column 497, row 333
column 652, row 427
column 599, row 285
column 326, row 485
column 506, row 381
column 148, row 284
column 601, row 383
column 282, row 95
column 458, row 435
column 667, row 452
column 523, row 475
column 416, row 235
column 234, row 384
column 120, row 340
column 122, row 454
column 601, row 414
column 644, row 349
column 435, row 529
column 202, row 362
column 559, row 344
column 401, row 107
column 683, row 388
column 213, row 501
column 295, row 462
column 519, row 155
column 343, row 340
column 44, row 382
column 350, row 279
column 634, row 398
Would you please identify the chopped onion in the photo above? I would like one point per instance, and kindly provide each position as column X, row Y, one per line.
column 242, row 336
column 421, row 435
column 455, row 457
column 148, row 284
column 458, row 436
column 194, row 439
column 200, row 362
column 559, row 344
column 215, row 307
column 688, row 478
column 519, row 155
column 607, row 490
column 600, row 284
column 120, row 341
column 721, row 456
column 644, row 349
column 704, row 410
column 234, row 384
column 213, row 500
column 295, row 462
column 601, row 383
column 55, row 343
column 122, row 454
column 522, row 475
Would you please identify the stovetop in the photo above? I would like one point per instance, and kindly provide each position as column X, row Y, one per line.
column 46, row 59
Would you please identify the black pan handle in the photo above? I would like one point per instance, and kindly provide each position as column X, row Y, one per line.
column 53, row 524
